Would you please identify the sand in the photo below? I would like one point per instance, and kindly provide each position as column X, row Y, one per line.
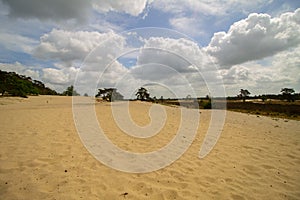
column 42, row 156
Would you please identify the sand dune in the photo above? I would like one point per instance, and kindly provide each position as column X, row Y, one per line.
column 42, row 156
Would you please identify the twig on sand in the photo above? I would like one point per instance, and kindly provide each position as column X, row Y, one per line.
column 124, row 194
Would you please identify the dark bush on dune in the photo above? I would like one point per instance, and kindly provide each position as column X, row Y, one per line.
column 13, row 84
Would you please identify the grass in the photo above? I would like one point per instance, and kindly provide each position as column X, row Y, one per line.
column 275, row 109
column 280, row 109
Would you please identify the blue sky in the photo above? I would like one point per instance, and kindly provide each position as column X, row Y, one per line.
column 228, row 44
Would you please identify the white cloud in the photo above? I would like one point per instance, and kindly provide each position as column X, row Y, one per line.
column 207, row 7
column 59, row 76
column 30, row 71
column 160, row 60
column 266, row 76
column 178, row 64
column 112, row 76
column 166, row 61
column 86, row 52
column 287, row 64
column 255, row 37
column 132, row 7
column 235, row 75
column 17, row 43
column 178, row 54
column 71, row 47
column 57, row 79
column 182, row 6
column 187, row 25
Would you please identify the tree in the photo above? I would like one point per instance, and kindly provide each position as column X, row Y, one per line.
column 70, row 91
column 109, row 94
column 244, row 94
column 14, row 84
column 263, row 97
column 142, row 94
column 287, row 93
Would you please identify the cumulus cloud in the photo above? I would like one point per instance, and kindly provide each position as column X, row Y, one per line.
column 178, row 64
column 56, row 10
column 182, row 55
column 132, row 7
column 266, row 76
column 78, row 10
column 160, row 61
column 92, row 54
column 181, row 58
column 59, row 76
column 30, row 71
column 166, row 61
column 57, row 79
column 235, row 75
column 69, row 47
column 206, row 7
column 256, row 37
column 17, row 43
column 187, row 25
column 287, row 64
column 112, row 74
column 181, row 6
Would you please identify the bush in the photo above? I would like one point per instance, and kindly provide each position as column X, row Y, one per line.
column 207, row 105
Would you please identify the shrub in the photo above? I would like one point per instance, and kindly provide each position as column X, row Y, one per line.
column 207, row 105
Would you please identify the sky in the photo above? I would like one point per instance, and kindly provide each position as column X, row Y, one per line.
column 174, row 48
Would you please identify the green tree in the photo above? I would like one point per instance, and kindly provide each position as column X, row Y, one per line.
column 244, row 94
column 70, row 91
column 263, row 97
column 142, row 94
column 287, row 93
column 109, row 94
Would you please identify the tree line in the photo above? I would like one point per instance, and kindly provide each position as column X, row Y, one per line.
column 287, row 94
column 14, row 84
column 111, row 94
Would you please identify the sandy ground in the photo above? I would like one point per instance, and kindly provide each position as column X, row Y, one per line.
column 42, row 156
